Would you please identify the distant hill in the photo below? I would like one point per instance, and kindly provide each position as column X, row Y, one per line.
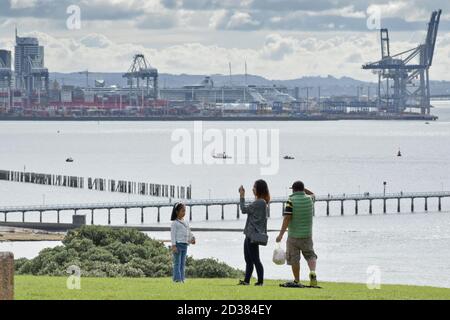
column 329, row 86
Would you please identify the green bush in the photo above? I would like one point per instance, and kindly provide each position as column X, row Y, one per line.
column 106, row 252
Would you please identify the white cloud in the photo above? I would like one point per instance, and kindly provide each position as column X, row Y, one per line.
column 277, row 47
column 278, row 56
column 242, row 20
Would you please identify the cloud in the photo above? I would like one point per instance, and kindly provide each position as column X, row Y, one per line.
column 244, row 15
column 277, row 47
column 95, row 41
column 160, row 20
column 227, row 20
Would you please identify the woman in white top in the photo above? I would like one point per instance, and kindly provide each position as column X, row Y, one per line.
column 181, row 237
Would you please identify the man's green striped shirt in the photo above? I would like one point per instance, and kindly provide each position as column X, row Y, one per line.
column 301, row 207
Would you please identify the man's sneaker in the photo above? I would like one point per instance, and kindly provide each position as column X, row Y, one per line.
column 292, row 284
column 259, row 284
column 313, row 279
column 243, row 283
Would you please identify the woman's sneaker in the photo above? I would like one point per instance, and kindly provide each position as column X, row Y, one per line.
column 313, row 279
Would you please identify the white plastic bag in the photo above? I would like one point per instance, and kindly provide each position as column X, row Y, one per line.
column 279, row 255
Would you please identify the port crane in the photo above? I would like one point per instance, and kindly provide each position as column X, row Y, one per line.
column 404, row 77
column 142, row 70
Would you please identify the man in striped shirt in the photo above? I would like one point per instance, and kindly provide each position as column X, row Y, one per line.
column 298, row 218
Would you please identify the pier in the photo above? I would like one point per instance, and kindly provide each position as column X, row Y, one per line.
column 157, row 206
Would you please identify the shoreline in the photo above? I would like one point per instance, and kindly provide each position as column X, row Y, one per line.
column 321, row 117
column 11, row 234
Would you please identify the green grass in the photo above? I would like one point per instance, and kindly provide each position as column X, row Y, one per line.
column 54, row 288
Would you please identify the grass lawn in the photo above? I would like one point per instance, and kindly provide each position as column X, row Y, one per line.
column 54, row 288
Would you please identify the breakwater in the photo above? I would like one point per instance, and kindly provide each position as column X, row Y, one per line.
column 99, row 184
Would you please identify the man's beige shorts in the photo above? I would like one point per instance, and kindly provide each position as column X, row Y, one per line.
column 295, row 247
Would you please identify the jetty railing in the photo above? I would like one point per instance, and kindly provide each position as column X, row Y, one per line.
column 190, row 204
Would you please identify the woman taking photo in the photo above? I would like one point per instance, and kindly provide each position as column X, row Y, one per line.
column 255, row 230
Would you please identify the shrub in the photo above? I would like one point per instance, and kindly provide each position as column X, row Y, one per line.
column 107, row 252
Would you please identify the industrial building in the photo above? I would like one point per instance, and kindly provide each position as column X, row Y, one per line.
column 403, row 86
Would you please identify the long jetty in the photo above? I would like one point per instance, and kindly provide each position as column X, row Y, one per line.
column 207, row 204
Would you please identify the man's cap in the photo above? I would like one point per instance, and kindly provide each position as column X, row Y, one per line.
column 298, row 185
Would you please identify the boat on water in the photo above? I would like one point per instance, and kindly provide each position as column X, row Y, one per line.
column 222, row 156
column 288, row 158
column 399, row 154
column 69, row 160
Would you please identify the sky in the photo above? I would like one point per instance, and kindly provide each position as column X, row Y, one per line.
column 279, row 39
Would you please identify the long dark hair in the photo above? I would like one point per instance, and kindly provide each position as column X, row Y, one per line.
column 262, row 190
column 176, row 208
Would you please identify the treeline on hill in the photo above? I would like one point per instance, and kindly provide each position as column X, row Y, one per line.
column 106, row 252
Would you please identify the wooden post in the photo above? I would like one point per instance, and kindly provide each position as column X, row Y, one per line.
column 23, row 216
column 207, row 212
column 398, row 205
column 57, row 216
column 412, row 204
column 6, row 276
column 370, row 207
column 342, row 208
column 190, row 213
column 142, row 215
column 283, row 208
column 328, row 208
column 426, row 204
column 440, row 204
column 109, row 216
column 159, row 214
column 384, row 206
column 92, row 216
column 237, row 212
column 126, row 215
column 40, row 216
column 223, row 212
column 356, row 207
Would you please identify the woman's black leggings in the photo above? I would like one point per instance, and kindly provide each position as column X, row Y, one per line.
column 251, row 253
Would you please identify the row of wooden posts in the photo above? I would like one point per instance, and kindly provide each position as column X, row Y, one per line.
column 99, row 184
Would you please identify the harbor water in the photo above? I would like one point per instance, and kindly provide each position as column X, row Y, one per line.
column 330, row 157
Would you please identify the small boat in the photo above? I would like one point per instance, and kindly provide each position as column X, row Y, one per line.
column 399, row 154
column 288, row 158
column 69, row 160
column 222, row 156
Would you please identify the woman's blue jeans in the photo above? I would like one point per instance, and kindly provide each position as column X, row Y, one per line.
column 179, row 262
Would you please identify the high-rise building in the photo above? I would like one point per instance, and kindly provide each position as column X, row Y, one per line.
column 30, row 72
column 5, row 69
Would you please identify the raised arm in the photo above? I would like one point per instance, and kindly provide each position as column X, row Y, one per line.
column 245, row 209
